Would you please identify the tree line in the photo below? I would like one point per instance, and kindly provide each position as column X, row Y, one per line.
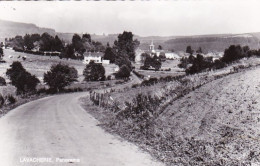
column 195, row 64
column 38, row 44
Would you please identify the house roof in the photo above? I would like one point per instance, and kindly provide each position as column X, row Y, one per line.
column 93, row 54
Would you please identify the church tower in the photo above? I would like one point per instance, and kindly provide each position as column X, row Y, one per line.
column 152, row 46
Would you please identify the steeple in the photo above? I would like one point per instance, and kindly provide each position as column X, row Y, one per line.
column 151, row 46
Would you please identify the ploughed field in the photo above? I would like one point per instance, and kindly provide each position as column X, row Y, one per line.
column 222, row 117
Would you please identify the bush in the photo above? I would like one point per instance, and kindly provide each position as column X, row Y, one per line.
column 11, row 99
column 2, row 81
column 149, row 82
column 21, row 79
column 141, row 113
column 94, row 72
column 135, row 85
column 59, row 76
column 124, row 72
column 2, row 100
column 218, row 64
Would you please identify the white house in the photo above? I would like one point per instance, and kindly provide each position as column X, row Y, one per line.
column 171, row 55
column 36, row 46
column 97, row 57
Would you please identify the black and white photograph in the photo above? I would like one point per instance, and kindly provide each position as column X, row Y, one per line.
column 130, row 83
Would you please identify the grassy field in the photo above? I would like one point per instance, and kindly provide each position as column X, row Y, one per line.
column 38, row 65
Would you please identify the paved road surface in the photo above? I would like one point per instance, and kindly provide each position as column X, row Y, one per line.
column 57, row 127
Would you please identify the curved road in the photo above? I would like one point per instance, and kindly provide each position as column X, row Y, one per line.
column 58, row 127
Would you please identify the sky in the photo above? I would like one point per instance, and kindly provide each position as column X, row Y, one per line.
column 144, row 18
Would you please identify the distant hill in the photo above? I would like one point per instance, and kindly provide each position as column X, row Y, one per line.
column 11, row 29
column 215, row 42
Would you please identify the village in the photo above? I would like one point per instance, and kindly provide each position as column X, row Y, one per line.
column 133, row 83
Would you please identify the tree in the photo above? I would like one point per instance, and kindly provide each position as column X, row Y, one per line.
column 126, row 44
column 28, row 42
column 21, row 79
column 162, row 56
column 68, row 52
column 199, row 63
column 199, row 51
column 123, row 60
column 110, row 54
column 184, row 61
column 124, row 72
column 94, row 72
column 189, row 50
column 1, row 53
column 98, row 47
column 86, row 37
column 77, row 44
column 2, row 81
column 144, row 56
column 35, row 37
column 46, row 43
column 58, row 46
column 60, row 76
column 160, row 47
column 233, row 53
column 154, row 62
column 18, row 42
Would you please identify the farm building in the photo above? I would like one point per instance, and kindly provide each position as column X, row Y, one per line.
column 97, row 57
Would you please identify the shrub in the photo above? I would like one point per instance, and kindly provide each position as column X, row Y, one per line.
column 135, row 85
column 124, row 72
column 2, row 81
column 141, row 112
column 11, row 99
column 149, row 82
column 59, row 76
column 21, row 79
column 94, row 72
